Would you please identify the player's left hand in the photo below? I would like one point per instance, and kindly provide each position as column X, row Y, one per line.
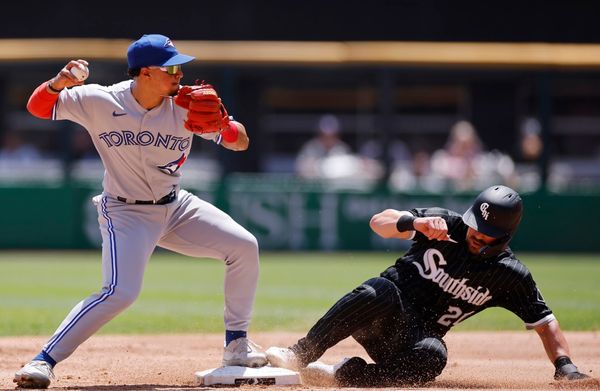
column 565, row 369
column 206, row 112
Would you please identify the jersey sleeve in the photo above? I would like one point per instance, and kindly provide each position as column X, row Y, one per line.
column 75, row 104
column 41, row 102
column 525, row 300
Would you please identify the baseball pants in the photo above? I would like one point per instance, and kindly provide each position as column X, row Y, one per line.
column 130, row 233
column 373, row 314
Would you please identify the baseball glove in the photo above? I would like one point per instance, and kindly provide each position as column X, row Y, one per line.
column 206, row 113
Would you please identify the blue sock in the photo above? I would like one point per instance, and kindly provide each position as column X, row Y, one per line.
column 232, row 335
column 43, row 356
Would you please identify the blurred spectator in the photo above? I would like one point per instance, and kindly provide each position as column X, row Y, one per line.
column 398, row 151
column 414, row 174
column 407, row 169
column 531, row 148
column 14, row 150
column 327, row 156
column 464, row 164
column 457, row 161
column 326, row 144
column 531, row 141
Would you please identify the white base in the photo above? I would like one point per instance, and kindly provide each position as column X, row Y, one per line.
column 242, row 375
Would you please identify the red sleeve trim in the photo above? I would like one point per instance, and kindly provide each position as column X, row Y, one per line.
column 41, row 102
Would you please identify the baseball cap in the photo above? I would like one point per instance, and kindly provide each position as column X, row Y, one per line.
column 154, row 50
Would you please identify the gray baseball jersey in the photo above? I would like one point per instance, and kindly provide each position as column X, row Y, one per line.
column 142, row 152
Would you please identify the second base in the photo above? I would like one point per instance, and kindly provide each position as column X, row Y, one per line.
column 242, row 375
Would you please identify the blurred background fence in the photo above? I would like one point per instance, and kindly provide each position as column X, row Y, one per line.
column 292, row 214
column 433, row 102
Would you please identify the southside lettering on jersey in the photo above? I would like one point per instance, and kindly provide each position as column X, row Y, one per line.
column 456, row 287
column 117, row 138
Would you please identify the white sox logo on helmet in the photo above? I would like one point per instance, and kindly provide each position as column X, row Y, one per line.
column 483, row 208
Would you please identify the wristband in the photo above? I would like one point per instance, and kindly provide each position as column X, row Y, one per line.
column 52, row 88
column 230, row 134
column 406, row 223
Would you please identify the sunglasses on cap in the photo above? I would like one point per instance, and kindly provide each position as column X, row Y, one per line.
column 171, row 69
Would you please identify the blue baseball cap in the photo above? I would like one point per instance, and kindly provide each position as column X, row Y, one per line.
column 154, row 50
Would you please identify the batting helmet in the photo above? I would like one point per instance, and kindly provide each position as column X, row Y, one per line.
column 496, row 212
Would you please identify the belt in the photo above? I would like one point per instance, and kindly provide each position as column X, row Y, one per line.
column 165, row 200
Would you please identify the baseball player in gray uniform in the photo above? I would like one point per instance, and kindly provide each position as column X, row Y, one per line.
column 138, row 130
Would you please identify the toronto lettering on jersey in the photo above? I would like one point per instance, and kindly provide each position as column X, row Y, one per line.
column 458, row 288
column 116, row 138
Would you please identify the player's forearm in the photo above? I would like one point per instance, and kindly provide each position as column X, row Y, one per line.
column 42, row 101
column 384, row 224
column 557, row 350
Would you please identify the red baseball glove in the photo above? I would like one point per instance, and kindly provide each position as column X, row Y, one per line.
column 206, row 113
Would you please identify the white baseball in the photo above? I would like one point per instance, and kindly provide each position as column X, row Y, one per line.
column 81, row 72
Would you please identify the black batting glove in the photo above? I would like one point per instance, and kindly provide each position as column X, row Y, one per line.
column 565, row 369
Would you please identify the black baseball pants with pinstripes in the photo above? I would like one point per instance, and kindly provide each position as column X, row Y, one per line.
column 395, row 338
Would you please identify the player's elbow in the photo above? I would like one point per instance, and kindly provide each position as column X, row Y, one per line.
column 373, row 223
column 377, row 224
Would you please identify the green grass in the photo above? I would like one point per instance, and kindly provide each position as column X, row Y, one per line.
column 180, row 294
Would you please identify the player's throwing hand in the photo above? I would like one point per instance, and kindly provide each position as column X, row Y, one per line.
column 65, row 78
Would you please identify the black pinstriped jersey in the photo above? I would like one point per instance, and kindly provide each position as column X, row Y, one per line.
column 445, row 284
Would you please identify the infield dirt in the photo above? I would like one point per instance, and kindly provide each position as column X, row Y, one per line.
column 477, row 360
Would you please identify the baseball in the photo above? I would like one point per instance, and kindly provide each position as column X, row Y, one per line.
column 81, row 72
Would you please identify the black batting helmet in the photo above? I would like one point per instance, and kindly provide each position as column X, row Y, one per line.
column 496, row 212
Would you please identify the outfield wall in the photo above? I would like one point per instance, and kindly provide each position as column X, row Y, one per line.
column 291, row 215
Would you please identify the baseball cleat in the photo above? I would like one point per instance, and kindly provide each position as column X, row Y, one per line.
column 320, row 374
column 36, row 374
column 244, row 353
column 283, row 358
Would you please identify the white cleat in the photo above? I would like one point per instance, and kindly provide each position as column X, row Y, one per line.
column 283, row 358
column 320, row 374
column 36, row 374
column 244, row 353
